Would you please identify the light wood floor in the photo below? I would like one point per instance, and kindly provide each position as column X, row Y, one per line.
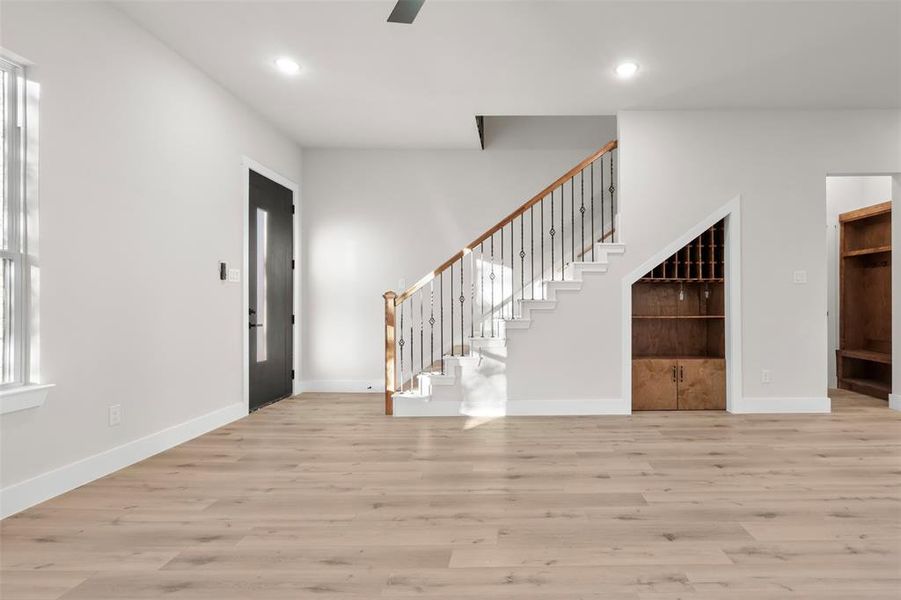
column 322, row 497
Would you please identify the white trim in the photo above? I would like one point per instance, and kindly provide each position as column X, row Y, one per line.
column 17, row 154
column 346, row 386
column 894, row 401
column 733, row 306
column 731, row 212
column 782, row 405
column 417, row 407
column 13, row 399
column 248, row 164
column 19, row 496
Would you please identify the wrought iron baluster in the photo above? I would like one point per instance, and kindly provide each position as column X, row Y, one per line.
column 451, row 302
column 472, row 297
column 401, row 343
column 553, row 232
column 462, row 314
column 421, row 338
column 532, row 249
column 603, row 213
column 482, row 288
column 562, row 238
column 431, row 324
column 512, row 272
column 591, row 194
column 582, row 208
column 612, row 200
column 522, row 262
column 502, row 272
column 491, row 277
column 572, row 219
column 541, row 237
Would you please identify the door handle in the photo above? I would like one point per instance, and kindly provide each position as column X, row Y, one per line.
column 256, row 324
column 674, row 373
column 681, row 373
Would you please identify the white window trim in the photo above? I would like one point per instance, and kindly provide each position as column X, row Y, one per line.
column 24, row 391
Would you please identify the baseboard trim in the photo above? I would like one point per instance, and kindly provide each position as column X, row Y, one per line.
column 345, row 386
column 415, row 407
column 782, row 405
column 894, row 401
column 19, row 496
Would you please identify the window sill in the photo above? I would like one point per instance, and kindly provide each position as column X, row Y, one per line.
column 23, row 397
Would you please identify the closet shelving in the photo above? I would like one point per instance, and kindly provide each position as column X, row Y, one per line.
column 864, row 357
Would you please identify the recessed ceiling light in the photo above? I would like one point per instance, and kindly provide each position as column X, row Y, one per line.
column 626, row 70
column 287, row 65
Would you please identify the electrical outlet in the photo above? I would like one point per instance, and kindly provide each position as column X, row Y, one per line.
column 234, row 275
column 799, row 277
column 115, row 415
column 766, row 376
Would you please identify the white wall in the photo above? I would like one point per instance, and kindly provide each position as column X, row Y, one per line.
column 375, row 217
column 140, row 197
column 676, row 169
column 844, row 194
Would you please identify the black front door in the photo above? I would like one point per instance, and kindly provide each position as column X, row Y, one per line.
column 270, row 281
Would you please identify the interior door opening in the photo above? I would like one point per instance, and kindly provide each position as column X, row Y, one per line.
column 859, row 278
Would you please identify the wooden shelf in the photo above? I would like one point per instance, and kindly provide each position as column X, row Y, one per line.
column 866, row 251
column 866, row 212
column 679, row 356
column 865, row 385
column 870, row 355
column 678, row 316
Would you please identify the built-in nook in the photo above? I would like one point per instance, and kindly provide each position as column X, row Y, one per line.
column 678, row 329
column 864, row 356
column 859, row 251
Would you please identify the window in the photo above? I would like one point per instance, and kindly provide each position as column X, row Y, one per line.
column 13, row 257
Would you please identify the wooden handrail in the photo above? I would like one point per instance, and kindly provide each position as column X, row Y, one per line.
column 608, row 147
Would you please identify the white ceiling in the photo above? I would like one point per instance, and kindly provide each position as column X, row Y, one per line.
column 368, row 83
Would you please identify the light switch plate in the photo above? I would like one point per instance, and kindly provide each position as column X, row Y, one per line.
column 766, row 376
column 234, row 275
column 799, row 277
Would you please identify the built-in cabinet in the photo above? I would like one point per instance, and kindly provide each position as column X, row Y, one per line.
column 678, row 329
column 864, row 357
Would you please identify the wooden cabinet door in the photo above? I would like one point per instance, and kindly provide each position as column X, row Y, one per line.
column 654, row 384
column 702, row 384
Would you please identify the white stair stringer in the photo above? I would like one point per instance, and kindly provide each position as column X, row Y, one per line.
column 475, row 385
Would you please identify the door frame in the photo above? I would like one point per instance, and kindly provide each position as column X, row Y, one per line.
column 731, row 212
column 248, row 165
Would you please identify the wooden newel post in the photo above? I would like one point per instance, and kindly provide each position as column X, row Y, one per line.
column 389, row 352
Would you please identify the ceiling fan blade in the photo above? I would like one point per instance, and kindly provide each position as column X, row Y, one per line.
column 405, row 11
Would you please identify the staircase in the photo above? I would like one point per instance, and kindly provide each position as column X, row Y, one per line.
column 447, row 336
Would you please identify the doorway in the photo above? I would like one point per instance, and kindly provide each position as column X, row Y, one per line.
column 270, row 290
column 859, row 250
